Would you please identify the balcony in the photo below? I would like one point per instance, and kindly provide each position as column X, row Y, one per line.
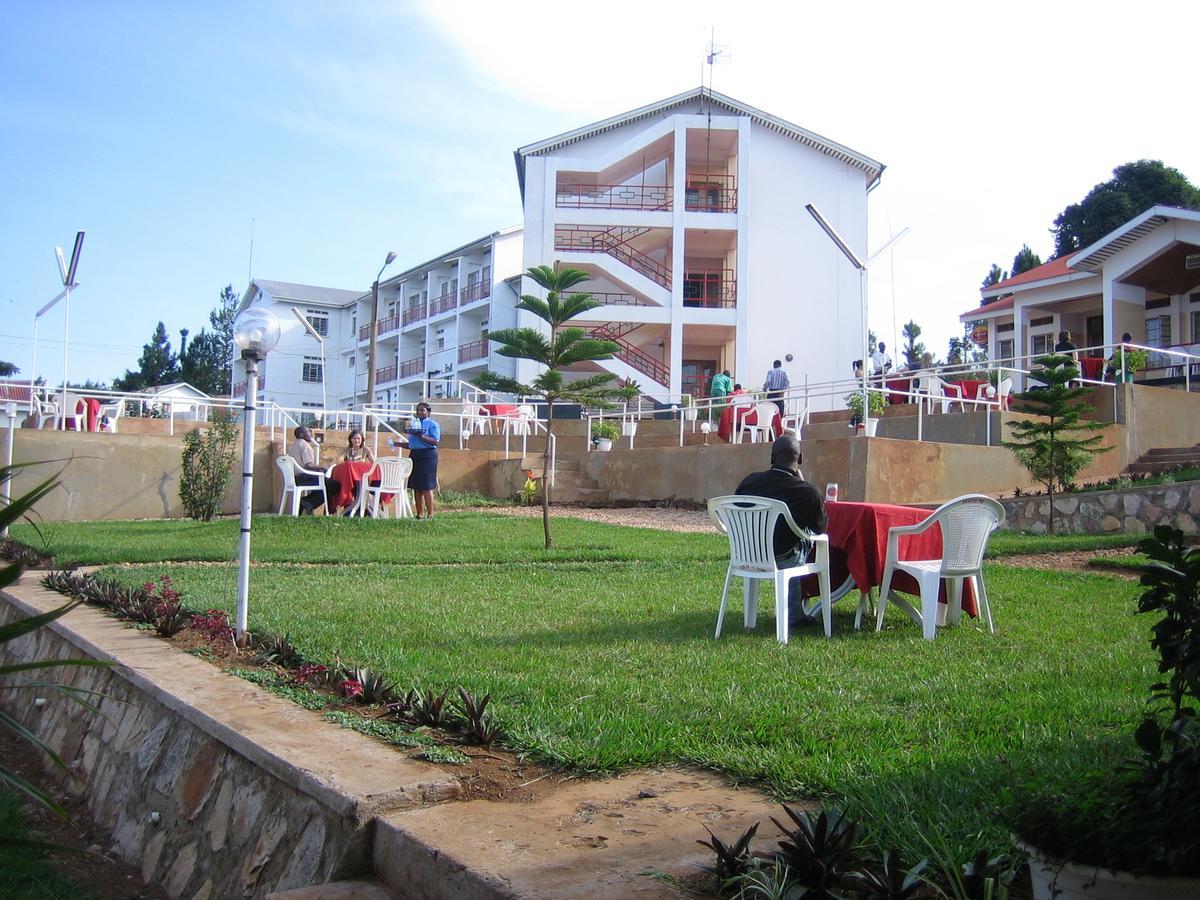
column 414, row 313
column 479, row 290
column 472, row 351
column 411, row 367
column 391, row 323
column 613, row 196
column 711, row 193
column 386, row 374
column 443, row 303
column 710, row 288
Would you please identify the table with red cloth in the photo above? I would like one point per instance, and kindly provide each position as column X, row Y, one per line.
column 501, row 409
column 973, row 389
column 858, row 538
column 91, row 406
column 348, row 475
column 1092, row 367
column 733, row 416
column 904, row 385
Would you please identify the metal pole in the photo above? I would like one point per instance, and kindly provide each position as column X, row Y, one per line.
column 10, row 410
column 62, row 418
column 249, row 411
column 866, row 361
column 33, row 364
column 371, row 345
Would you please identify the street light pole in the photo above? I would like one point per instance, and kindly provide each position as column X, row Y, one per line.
column 10, row 414
column 391, row 258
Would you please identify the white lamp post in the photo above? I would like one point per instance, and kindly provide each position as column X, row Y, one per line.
column 10, row 416
column 320, row 340
column 388, row 260
column 255, row 332
column 862, row 292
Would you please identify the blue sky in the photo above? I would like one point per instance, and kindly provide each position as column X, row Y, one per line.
column 345, row 129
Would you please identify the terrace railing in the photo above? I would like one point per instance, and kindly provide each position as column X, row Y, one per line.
column 613, row 196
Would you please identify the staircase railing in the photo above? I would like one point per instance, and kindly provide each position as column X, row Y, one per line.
column 615, row 242
column 629, row 354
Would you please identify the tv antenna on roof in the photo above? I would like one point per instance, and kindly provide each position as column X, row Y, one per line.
column 716, row 54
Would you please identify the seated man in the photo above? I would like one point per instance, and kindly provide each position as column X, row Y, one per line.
column 783, row 481
column 307, row 454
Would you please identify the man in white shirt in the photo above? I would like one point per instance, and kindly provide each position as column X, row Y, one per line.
column 776, row 383
column 307, row 454
column 881, row 363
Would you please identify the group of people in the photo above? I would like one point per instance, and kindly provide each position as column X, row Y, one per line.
column 775, row 385
column 422, row 437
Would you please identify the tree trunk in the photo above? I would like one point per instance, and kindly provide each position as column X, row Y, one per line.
column 546, row 474
column 1050, row 494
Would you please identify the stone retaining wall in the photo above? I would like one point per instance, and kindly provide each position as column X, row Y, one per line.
column 1130, row 510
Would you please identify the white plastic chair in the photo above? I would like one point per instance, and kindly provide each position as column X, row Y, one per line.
column 479, row 420
column 392, row 472
column 1005, row 388
column 749, row 523
column 763, row 426
column 936, row 390
column 795, row 422
column 288, row 467
column 109, row 414
column 45, row 410
column 520, row 423
column 966, row 522
column 741, row 405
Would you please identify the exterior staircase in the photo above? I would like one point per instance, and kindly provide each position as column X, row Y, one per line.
column 1161, row 460
column 649, row 367
column 571, row 486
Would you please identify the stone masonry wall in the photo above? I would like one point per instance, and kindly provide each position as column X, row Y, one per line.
column 203, row 820
column 1131, row 510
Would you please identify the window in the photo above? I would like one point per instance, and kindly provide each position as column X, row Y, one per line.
column 472, row 278
column 319, row 320
column 1158, row 331
column 1041, row 344
column 702, row 289
column 350, row 361
column 1196, row 326
column 1005, row 348
column 313, row 371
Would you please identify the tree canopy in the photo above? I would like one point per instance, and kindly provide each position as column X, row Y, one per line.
column 995, row 275
column 158, row 364
column 913, row 349
column 1133, row 189
column 1025, row 260
column 7, row 369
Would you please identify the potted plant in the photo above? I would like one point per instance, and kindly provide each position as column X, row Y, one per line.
column 876, row 404
column 604, row 433
column 1135, row 831
column 1135, row 361
column 689, row 407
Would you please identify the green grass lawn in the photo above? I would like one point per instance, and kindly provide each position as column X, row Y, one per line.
column 600, row 655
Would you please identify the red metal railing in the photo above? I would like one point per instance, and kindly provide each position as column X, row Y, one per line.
column 364, row 332
column 412, row 367
column 614, row 242
column 390, row 323
column 473, row 350
column 387, row 373
column 710, row 193
column 414, row 313
column 611, row 299
column 628, row 353
column 613, row 196
column 710, row 288
column 441, row 304
column 477, row 291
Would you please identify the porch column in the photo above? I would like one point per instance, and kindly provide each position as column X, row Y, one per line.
column 678, row 251
column 1020, row 343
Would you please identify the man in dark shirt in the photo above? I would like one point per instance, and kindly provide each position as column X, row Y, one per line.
column 783, row 482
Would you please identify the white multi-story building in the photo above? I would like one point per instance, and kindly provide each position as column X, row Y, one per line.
column 689, row 215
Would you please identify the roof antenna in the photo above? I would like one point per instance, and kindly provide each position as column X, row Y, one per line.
column 717, row 53
column 250, row 264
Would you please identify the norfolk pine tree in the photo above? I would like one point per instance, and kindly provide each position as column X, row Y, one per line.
column 564, row 347
column 1055, row 448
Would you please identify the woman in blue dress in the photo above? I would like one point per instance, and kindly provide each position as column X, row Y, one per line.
column 424, row 435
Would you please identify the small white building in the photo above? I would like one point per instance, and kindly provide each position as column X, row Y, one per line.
column 180, row 399
column 690, row 216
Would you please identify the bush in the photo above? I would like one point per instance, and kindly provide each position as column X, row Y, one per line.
column 204, row 475
column 605, row 430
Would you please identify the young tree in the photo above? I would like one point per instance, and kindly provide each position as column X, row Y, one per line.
column 913, row 349
column 564, row 347
column 7, row 369
column 158, row 364
column 203, row 366
column 1133, row 189
column 221, row 337
column 1025, row 260
column 1055, row 448
column 995, row 275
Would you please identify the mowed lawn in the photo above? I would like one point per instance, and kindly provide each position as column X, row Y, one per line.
column 600, row 655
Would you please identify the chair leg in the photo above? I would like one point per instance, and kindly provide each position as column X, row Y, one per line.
column 954, row 610
column 981, row 598
column 724, row 598
column 930, row 584
column 781, row 608
column 826, row 601
column 885, row 588
column 282, row 500
column 864, row 605
column 750, row 592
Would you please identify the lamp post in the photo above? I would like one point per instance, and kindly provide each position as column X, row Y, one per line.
column 391, row 258
column 861, row 266
column 68, row 279
column 320, row 340
column 10, row 415
column 255, row 332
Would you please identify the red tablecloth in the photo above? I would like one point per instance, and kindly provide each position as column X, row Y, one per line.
column 88, row 405
column 971, row 389
column 728, row 424
column 1092, row 367
column 93, row 413
column 501, row 409
column 898, row 384
column 348, row 475
column 858, row 536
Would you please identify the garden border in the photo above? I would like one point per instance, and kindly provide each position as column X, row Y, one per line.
column 1132, row 510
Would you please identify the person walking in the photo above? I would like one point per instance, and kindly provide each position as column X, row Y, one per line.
column 424, row 435
column 721, row 385
column 776, row 383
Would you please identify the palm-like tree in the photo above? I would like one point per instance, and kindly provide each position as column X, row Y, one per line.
column 563, row 347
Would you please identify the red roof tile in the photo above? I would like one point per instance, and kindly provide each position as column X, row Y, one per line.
column 1053, row 269
column 14, row 390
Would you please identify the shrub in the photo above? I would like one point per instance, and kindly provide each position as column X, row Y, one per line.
column 602, row 429
column 204, row 473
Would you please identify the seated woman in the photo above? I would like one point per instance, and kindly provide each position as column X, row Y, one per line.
column 357, row 451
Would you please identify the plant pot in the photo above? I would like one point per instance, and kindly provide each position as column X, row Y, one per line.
column 1056, row 880
column 629, row 429
column 603, row 444
column 690, row 413
column 868, row 430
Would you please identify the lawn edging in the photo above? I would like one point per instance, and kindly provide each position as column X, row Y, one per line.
column 1133, row 510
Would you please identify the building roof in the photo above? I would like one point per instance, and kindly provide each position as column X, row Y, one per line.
column 853, row 158
column 175, row 386
column 987, row 309
column 1056, row 268
column 1092, row 258
column 14, row 390
column 299, row 293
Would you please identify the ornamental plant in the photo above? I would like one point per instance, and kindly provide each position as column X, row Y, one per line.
column 602, row 429
column 208, row 456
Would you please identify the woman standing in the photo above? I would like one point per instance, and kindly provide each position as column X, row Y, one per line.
column 424, row 434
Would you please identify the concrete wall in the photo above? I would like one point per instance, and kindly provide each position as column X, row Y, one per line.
column 1132, row 511
column 120, row 476
column 1158, row 417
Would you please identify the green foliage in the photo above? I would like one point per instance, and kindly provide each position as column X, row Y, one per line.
column 1055, row 448
column 283, row 687
column 733, row 860
column 994, row 276
column 8, row 369
column 603, row 428
column 25, row 871
column 204, row 473
column 565, row 346
column 913, row 349
column 875, row 401
column 158, row 364
column 478, row 725
column 1025, row 260
column 384, row 729
column 819, row 849
column 442, row 755
column 1133, row 189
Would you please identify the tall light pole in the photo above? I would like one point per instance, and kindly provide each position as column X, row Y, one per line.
column 861, row 266
column 255, row 332
column 320, row 340
column 68, row 279
column 10, row 415
column 391, row 258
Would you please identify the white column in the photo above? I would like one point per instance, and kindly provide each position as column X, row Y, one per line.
column 741, row 347
column 678, row 249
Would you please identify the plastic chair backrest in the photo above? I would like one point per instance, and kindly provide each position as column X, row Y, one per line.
column 764, row 414
column 1006, row 386
column 393, row 473
column 287, row 466
column 749, row 523
column 742, row 400
column 966, row 524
